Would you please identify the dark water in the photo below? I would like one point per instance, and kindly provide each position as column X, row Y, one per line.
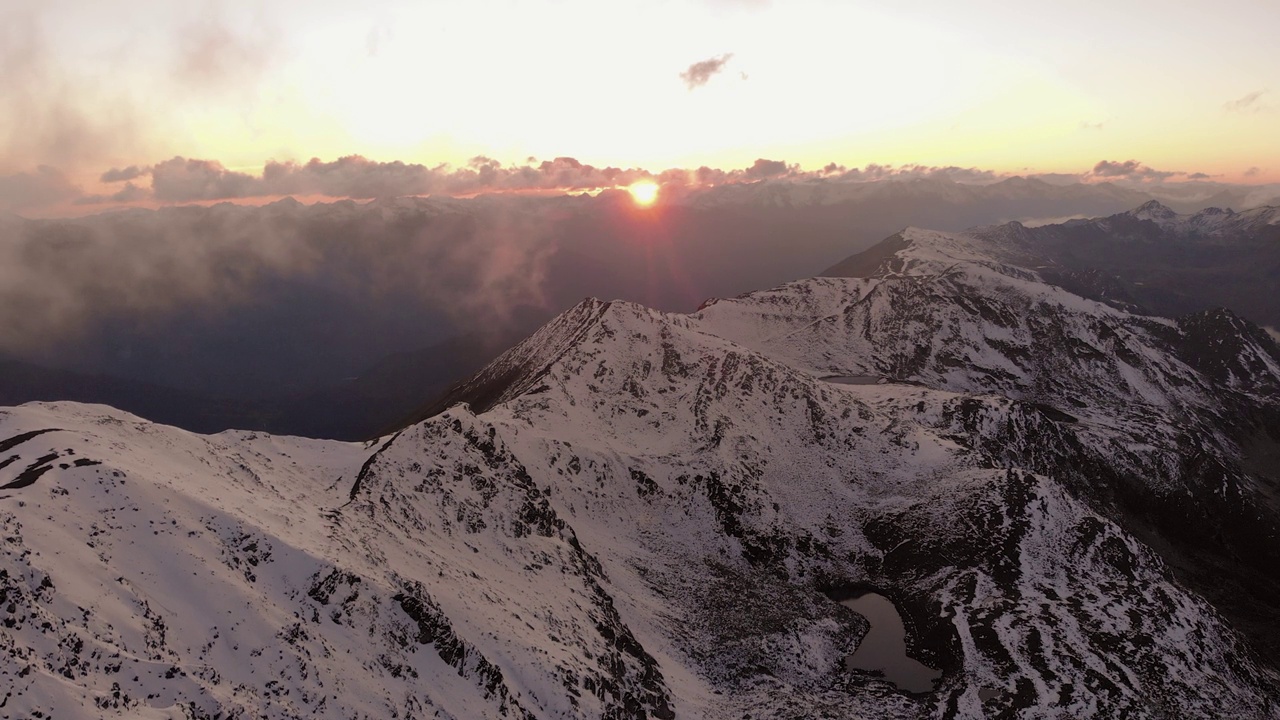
column 884, row 649
column 855, row 379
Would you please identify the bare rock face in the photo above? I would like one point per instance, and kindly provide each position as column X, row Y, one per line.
column 635, row 514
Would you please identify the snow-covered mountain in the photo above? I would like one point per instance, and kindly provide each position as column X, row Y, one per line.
column 638, row 514
column 1158, row 261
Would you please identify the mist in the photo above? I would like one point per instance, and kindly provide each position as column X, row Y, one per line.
column 248, row 299
column 239, row 300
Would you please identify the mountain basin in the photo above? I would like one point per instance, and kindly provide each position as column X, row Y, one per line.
column 883, row 649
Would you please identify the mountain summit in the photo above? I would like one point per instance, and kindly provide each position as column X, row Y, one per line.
column 1153, row 210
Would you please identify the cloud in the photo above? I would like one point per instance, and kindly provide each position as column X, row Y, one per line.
column 130, row 193
column 351, row 176
column 762, row 169
column 700, row 73
column 1253, row 171
column 1274, row 333
column 59, row 113
column 43, row 187
column 1086, row 125
column 461, row 266
column 50, row 117
column 477, row 270
column 183, row 180
column 1130, row 170
column 213, row 56
column 1107, row 168
column 122, row 174
column 1248, row 103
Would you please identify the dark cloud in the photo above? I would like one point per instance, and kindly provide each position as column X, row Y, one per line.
column 1107, row 168
column 700, row 73
column 183, row 180
column 128, row 194
column 359, row 177
column 1130, row 170
column 122, row 174
column 351, row 176
column 709, row 176
column 762, row 169
column 61, row 278
column 27, row 190
column 1253, row 171
column 1249, row 103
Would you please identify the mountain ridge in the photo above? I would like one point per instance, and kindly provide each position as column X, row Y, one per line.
column 643, row 514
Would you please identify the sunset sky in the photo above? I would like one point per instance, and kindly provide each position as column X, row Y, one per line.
column 1014, row 87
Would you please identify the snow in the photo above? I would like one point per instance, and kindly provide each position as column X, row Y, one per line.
column 643, row 523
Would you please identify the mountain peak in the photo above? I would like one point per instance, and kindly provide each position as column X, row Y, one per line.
column 873, row 260
column 1153, row 210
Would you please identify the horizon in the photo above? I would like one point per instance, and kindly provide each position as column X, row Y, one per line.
column 563, row 177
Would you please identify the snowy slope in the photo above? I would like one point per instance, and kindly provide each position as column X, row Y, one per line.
column 650, row 513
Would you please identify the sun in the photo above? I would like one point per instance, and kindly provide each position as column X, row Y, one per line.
column 644, row 192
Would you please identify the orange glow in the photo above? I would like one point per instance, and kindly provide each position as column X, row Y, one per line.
column 644, row 192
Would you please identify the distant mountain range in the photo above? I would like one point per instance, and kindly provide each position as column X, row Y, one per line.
column 1157, row 261
column 640, row 514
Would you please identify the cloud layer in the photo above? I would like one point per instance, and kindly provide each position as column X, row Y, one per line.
column 181, row 180
column 1134, row 171
column 346, row 281
column 45, row 186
